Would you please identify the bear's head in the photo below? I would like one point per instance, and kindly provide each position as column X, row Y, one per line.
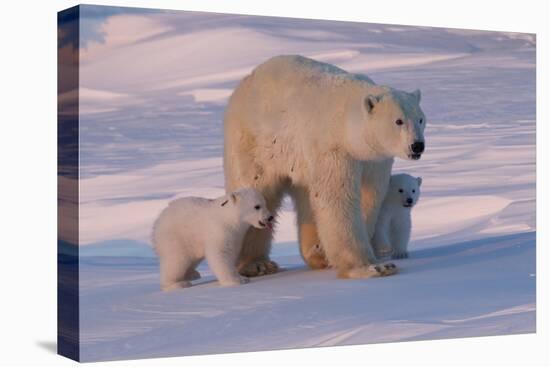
column 388, row 123
column 251, row 207
column 404, row 190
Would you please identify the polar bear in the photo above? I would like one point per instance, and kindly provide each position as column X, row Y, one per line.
column 305, row 128
column 393, row 228
column 192, row 228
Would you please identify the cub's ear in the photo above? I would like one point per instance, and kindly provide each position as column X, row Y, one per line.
column 233, row 197
column 419, row 179
column 416, row 94
column 371, row 101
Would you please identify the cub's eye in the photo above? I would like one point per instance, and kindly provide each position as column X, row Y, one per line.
column 401, row 190
column 399, row 122
column 257, row 207
column 421, row 121
column 414, row 191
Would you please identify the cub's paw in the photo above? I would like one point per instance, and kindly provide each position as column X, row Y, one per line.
column 258, row 268
column 400, row 255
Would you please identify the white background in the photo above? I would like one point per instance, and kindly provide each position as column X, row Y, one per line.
column 28, row 181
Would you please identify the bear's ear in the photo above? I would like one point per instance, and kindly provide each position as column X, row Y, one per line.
column 371, row 101
column 419, row 179
column 416, row 94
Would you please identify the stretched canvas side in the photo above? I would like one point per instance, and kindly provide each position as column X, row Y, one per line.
column 67, row 184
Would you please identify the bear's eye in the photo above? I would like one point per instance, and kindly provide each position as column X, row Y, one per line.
column 399, row 122
column 401, row 190
column 414, row 190
column 257, row 207
column 421, row 121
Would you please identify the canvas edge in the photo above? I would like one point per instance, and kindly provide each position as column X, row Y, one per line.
column 68, row 315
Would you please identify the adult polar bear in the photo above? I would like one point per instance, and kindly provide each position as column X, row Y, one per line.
column 310, row 129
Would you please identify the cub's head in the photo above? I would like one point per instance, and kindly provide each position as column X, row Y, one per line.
column 390, row 124
column 404, row 190
column 251, row 207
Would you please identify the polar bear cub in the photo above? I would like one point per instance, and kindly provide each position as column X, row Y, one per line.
column 393, row 227
column 192, row 228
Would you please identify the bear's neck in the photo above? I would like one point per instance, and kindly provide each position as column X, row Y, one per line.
column 362, row 145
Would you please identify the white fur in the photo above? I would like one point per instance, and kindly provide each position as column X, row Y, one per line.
column 374, row 185
column 393, row 228
column 306, row 128
column 191, row 229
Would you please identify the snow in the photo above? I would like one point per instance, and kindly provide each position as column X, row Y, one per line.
column 211, row 95
column 153, row 89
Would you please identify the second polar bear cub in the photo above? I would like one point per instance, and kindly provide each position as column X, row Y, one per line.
column 192, row 228
column 393, row 227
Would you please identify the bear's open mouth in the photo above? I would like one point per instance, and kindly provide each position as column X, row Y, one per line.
column 415, row 156
column 268, row 225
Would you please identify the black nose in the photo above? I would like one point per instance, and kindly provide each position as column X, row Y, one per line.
column 270, row 219
column 417, row 147
column 409, row 201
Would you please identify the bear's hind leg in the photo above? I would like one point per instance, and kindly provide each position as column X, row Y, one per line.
column 173, row 272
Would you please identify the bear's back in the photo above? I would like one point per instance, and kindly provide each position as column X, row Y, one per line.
column 188, row 214
column 296, row 67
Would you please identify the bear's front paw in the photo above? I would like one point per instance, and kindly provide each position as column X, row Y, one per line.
column 258, row 268
column 400, row 255
column 385, row 269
